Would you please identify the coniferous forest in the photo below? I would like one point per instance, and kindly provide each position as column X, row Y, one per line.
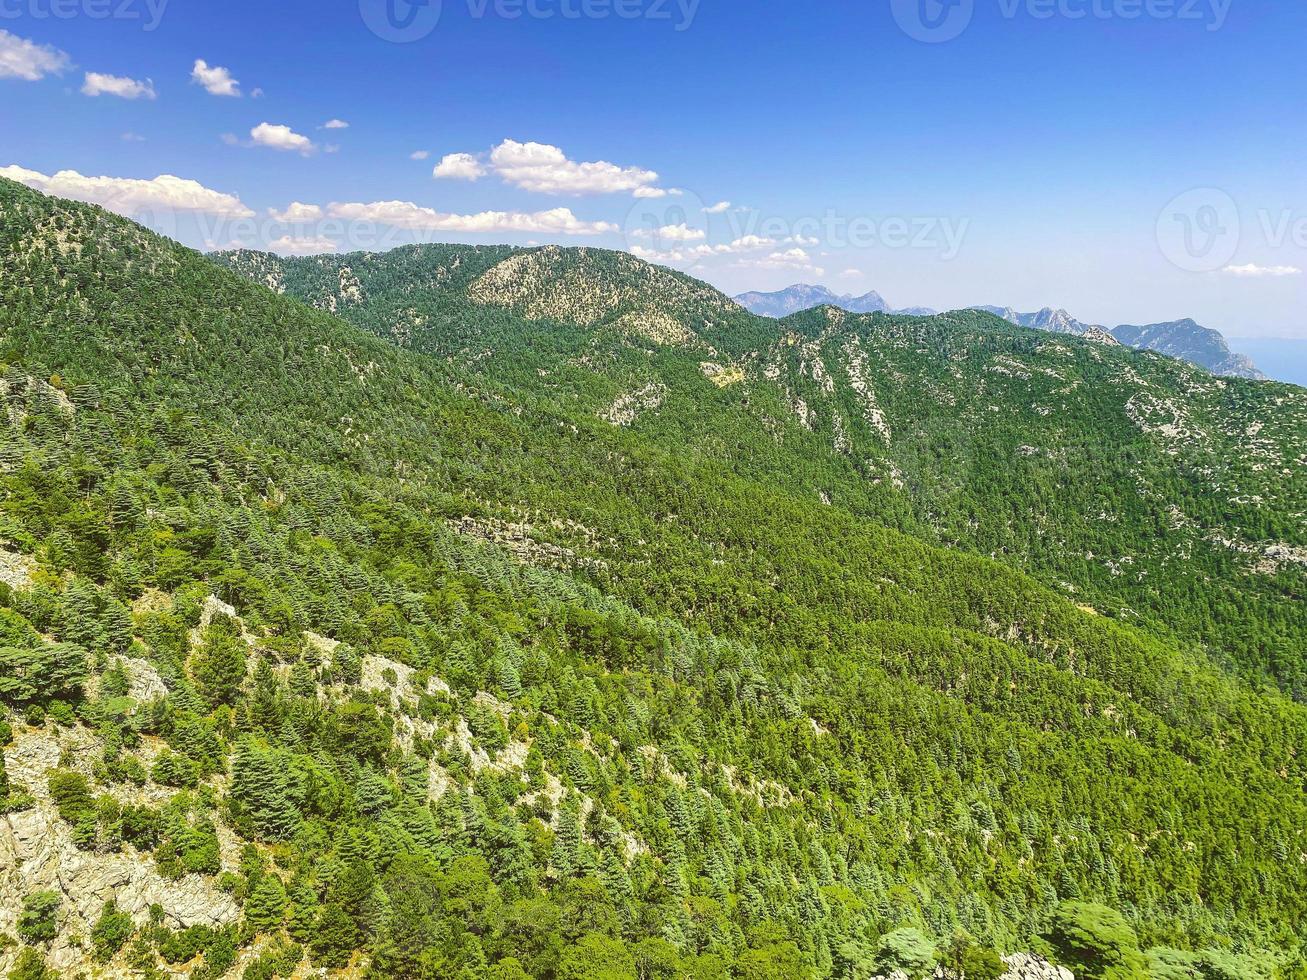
column 491, row 613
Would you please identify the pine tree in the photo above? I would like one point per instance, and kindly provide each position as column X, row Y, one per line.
column 373, row 792
column 218, row 667
column 259, row 797
column 334, row 938
column 414, row 777
column 266, row 905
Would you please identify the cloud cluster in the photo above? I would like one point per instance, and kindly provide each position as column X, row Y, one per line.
column 672, row 233
column 792, row 258
column 297, row 214
column 1252, row 271
column 20, row 58
column 544, row 169
column 97, row 84
column 412, row 217
column 128, row 196
column 215, row 80
column 307, row 245
column 747, row 247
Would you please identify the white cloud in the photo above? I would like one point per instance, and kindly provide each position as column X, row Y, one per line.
column 297, row 214
column 310, row 245
column 404, row 214
column 749, row 242
column 217, row 81
column 808, row 242
column 20, row 58
column 545, row 169
column 97, row 84
column 279, row 137
column 419, row 154
column 721, row 207
column 653, row 255
column 256, row 93
column 851, row 274
column 133, row 138
column 127, row 195
column 672, row 233
column 793, row 258
column 1251, row 271
column 459, row 166
column 790, row 255
column 335, row 124
column 675, row 256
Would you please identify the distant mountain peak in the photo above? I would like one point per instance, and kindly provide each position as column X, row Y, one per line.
column 804, row 296
column 1190, row 341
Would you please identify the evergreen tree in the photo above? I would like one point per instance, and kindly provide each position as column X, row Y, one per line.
column 266, row 905
column 218, row 667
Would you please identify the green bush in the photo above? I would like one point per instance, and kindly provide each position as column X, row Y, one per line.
column 177, row 771
column 39, row 920
column 1096, row 943
column 906, row 950
column 111, row 932
column 31, row 966
column 965, row 957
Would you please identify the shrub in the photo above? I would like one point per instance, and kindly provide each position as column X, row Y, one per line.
column 907, row 951
column 1096, row 943
column 30, row 966
column 111, row 932
column 176, row 770
column 39, row 920
column 965, row 957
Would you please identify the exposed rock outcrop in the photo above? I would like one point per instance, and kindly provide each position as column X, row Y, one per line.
column 37, row 853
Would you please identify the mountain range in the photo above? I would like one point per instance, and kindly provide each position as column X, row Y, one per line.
column 493, row 612
column 796, row 299
column 1183, row 339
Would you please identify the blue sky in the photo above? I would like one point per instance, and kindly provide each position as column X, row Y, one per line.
column 1130, row 160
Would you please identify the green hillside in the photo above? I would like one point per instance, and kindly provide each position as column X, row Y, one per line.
column 1134, row 484
column 529, row 647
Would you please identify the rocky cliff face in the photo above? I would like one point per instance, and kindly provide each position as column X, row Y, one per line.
column 37, row 853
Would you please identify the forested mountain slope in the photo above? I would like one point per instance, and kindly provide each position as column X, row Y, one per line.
column 319, row 649
column 1137, row 485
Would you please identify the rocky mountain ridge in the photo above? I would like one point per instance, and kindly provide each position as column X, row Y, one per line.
column 1182, row 339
